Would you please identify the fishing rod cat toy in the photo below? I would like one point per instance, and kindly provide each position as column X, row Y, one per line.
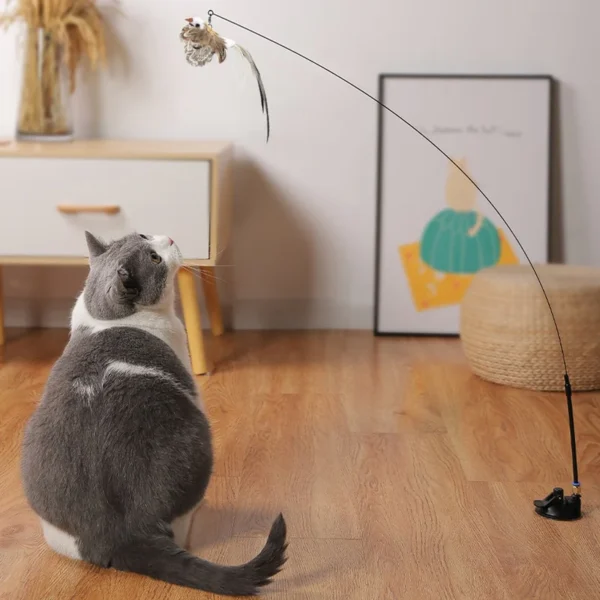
column 202, row 42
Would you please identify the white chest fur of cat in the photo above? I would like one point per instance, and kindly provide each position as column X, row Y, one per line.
column 118, row 454
column 160, row 320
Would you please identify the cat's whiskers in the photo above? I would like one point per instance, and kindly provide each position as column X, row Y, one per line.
column 209, row 276
column 204, row 275
column 221, row 252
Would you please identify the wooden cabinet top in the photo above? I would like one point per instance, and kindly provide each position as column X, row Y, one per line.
column 105, row 148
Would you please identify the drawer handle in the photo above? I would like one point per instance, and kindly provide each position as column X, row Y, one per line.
column 73, row 209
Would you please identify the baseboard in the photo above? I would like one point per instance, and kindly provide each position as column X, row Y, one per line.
column 256, row 314
column 31, row 312
column 299, row 314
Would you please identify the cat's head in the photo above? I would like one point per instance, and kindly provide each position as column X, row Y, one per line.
column 133, row 273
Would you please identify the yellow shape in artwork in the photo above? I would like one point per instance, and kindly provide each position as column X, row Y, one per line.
column 431, row 289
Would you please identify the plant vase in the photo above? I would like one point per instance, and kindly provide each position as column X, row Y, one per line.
column 45, row 105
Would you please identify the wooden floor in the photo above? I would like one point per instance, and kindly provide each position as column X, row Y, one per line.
column 400, row 474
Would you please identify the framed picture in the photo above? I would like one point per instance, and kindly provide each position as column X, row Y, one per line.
column 435, row 229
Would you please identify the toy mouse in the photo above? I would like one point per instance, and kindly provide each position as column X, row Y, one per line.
column 201, row 42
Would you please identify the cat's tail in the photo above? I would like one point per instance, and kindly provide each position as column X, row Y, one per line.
column 160, row 558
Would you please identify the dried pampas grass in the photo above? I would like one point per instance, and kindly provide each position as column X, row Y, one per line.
column 60, row 34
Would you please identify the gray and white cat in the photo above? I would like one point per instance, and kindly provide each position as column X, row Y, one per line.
column 118, row 454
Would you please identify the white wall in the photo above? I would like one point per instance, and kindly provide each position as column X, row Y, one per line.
column 303, row 250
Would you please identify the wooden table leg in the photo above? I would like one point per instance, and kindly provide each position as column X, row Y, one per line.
column 193, row 323
column 1, row 306
column 211, row 296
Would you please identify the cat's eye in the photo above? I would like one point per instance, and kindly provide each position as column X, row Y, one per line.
column 197, row 25
column 144, row 236
column 155, row 258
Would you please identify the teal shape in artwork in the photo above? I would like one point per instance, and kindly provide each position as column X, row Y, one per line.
column 460, row 242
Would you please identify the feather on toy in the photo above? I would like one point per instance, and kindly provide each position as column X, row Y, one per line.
column 201, row 42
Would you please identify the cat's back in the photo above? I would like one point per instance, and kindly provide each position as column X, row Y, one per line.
column 117, row 403
column 110, row 374
column 125, row 349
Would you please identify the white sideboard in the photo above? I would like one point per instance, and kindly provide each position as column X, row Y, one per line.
column 51, row 193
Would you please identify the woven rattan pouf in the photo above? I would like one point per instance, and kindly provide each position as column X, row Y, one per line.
column 508, row 334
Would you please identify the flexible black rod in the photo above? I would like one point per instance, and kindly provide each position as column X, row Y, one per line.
column 576, row 483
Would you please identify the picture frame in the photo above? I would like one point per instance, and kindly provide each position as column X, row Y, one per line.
column 434, row 228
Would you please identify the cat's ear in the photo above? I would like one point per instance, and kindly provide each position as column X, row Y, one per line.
column 95, row 246
column 128, row 285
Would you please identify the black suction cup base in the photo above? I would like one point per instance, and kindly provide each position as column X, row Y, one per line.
column 559, row 507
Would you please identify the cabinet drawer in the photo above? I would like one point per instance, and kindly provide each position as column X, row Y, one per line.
column 170, row 197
